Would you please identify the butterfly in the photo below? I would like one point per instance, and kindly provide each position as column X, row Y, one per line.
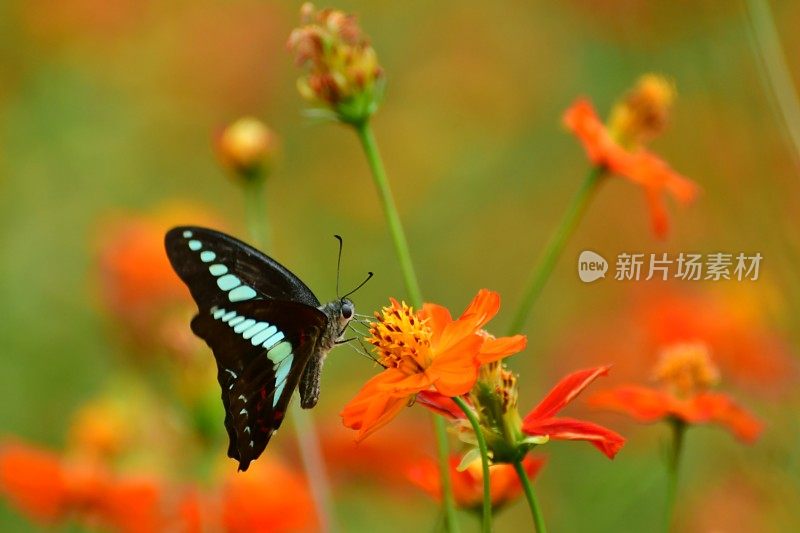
column 268, row 332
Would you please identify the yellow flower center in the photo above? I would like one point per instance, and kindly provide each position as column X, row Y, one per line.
column 644, row 112
column 686, row 369
column 401, row 339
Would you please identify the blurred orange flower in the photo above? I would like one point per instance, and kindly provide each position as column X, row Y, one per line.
column 618, row 148
column 34, row 481
column 685, row 372
column 52, row 489
column 407, row 442
column 423, row 350
column 541, row 420
column 270, row 497
column 138, row 285
column 468, row 483
column 733, row 326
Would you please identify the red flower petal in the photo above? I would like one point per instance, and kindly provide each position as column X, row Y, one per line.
column 607, row 441
column 440, row 404
column 640, row 403
column 721, row 409
column 565, row 391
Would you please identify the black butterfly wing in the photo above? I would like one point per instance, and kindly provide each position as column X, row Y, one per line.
column 261, row 322
column 221, row 270
column 261, row 348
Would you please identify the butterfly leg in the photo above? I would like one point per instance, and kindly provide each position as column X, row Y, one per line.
column 310, row 382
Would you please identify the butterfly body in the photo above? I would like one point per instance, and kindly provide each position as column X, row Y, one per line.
column 268, row 332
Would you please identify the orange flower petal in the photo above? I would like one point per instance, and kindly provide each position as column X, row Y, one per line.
column 640, row 403
column 582, row 120
column 565, row 391
column 659, row 217
column 402, row 385
column 438, row 318
column 649, row 405
column 496, row 349
column 607, row 441
column 270, row 497
column 34, row 481
column 721, row 409
column 456, row 370
column 373, row 406
column 478, row 313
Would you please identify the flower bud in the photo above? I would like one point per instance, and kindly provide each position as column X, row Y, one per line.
column 247, row 147
column 342, row 70
column 644, row 112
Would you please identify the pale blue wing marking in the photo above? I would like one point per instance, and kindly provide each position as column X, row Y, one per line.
column 236, row 321
column 219, row 313
column 281, row 373
column 272, row 341
column 195, row 245
column 228, row 316
column 264, row 335
column 241, row 293
column 279, row 352
column 258, row 328
column 228, row 282
column 206, row 256
column 187, row 234
column 217, row 269
column 244, row 325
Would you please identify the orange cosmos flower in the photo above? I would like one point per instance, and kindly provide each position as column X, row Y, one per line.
column 618, row 147
column 137, row 283
column 426, row 350
column 541, row 420
column 33, row 481
column 686, row 372
column 468, row 483
column 732, row 324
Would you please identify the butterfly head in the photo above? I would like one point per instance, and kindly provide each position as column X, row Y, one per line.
column 343, row 311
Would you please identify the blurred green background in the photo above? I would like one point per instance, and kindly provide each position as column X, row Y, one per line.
column 108, row 109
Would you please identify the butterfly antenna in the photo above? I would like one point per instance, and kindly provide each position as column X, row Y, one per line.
column 369, row 275
column 339, row 263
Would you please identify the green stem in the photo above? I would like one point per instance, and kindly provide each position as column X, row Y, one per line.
column 370, row 146
column 443, row 452
column 527, row 486
column 305, row 431
column 544, row 267
column 367, row 138
column 673, row 466
column 486, row 523
column 256, row 212
column 775, row 73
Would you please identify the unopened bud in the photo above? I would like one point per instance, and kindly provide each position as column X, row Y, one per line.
column 247, row 147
